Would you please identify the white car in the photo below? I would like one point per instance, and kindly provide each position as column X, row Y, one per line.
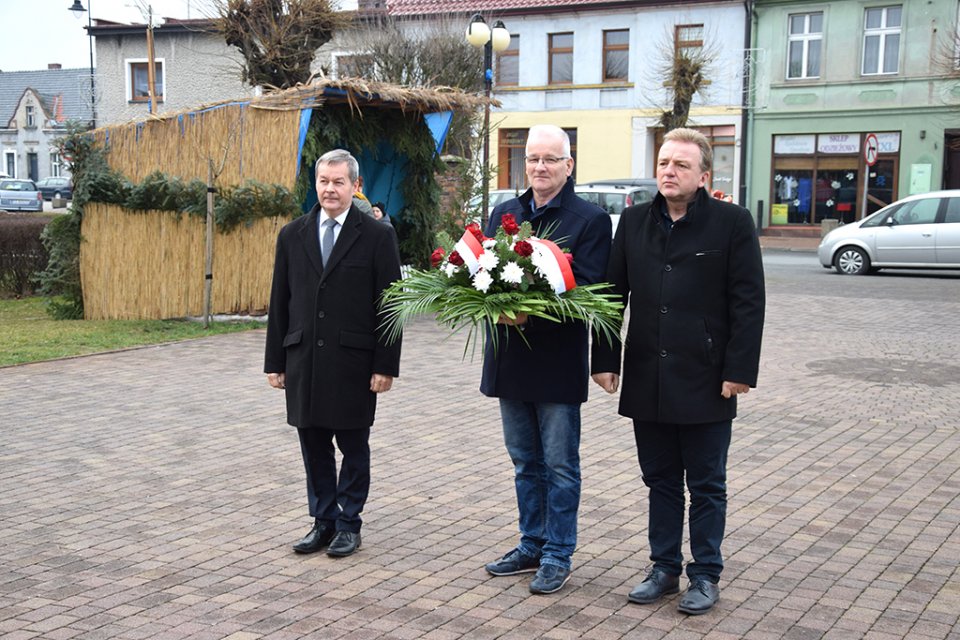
column 917, row 232
column 614, row 198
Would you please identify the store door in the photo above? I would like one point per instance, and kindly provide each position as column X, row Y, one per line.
column 882, row 185
column 951, row 171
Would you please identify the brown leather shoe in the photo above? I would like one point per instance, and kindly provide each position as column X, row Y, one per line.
column 343, row 544
column 318, row 537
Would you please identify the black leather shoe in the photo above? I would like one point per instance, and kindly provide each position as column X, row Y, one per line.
column 656, row 584
column 344, row 543
column 319, row 537
column 700, row 597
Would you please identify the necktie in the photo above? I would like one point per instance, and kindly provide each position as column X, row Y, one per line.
column 326, row 242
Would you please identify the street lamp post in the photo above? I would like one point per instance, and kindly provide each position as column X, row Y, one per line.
column 496, row 39
column 77, row 10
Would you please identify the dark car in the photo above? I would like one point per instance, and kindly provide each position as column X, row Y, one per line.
column 56, row 188
column 20, row 195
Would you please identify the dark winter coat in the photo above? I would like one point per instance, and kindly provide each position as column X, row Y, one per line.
column 554, row 367
column 696, row 310
column 322, row 327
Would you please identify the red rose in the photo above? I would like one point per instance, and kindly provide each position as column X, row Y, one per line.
column 474, row 228
column 509, row 224
column 455, row 259
column 569, row 257
column 437, row 257
column 523, row 248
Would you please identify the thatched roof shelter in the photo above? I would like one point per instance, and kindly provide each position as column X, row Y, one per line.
column 136, row 267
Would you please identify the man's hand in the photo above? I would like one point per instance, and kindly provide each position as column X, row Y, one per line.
column 608, row 381
column 520, row 319
column 731, row 389
column 277, row 380
column 380, row 383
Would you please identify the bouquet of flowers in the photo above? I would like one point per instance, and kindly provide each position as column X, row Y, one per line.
column 479, row 282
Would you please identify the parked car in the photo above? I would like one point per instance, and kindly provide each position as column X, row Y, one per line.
column 56, row 188
column 614, row 198
column 917, row 232
column 495, row 197
column 20, row 195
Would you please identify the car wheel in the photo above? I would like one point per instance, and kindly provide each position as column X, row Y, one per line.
column 851, row 261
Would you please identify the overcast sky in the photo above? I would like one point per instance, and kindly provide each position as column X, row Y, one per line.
column 38, row 32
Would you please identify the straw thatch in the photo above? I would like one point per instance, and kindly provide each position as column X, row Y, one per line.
column 151, row 264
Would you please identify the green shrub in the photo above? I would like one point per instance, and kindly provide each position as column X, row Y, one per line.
column 22, row 254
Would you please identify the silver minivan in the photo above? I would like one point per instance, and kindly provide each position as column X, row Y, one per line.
column 917, row 232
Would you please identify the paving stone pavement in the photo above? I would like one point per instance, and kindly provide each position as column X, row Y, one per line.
column 155, row 493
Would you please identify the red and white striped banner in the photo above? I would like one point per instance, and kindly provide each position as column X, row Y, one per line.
column 554, row 264
column 470, row 250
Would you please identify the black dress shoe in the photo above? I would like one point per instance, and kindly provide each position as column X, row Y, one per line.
column 319, row 537
column 700, row 597
column 657, row 584
column 344, row 543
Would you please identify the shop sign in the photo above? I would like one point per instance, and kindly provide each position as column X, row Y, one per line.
column 838, row 143
column 889, row 142
column 793, row 145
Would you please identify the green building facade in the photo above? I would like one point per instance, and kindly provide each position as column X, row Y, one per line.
column 854, row 104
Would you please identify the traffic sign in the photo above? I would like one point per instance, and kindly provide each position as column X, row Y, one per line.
column 871, row 149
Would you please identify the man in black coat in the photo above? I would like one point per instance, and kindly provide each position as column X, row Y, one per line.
column 324, row 347
column 542, row 380
column 692, row 269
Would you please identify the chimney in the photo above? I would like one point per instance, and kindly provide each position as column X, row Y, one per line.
column 54, row 65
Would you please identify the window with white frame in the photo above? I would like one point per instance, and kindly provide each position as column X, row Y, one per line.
column 138, row 80
column 881, row 40
column 10, row 163
column 31, row 116
column 55, row 167
column 804, row 44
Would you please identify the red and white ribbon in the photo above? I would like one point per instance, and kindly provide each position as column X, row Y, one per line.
column 470, row 250
column 554, row 264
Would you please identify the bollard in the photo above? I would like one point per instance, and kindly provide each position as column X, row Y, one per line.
column 827, row 225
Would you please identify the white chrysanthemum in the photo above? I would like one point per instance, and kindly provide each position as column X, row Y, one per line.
column 489, row 243
column 450, row 269
column 488, row 260
column 482, row 281
column 511, row 273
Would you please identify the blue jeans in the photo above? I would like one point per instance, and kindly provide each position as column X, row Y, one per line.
column 670, row 453
column 543, row 440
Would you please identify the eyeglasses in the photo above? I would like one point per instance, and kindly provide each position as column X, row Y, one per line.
column 548, row 161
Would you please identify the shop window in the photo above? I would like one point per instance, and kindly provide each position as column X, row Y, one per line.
column 616, row 55
column 804, row 45
column 508, row 63
column 561, row 58
column 881, row 40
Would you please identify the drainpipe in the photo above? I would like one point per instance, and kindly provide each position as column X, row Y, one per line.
column 746, row 119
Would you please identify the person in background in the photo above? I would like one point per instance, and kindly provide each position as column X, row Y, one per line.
column 690, row 266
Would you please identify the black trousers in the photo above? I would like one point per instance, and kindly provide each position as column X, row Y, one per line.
column 672, row 455
column 332, row 499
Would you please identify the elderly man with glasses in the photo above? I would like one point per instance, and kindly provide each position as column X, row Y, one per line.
column 542, row 381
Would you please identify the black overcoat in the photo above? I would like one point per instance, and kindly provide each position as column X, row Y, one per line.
column 322, row 329
column 552, row 364
column 696, row 310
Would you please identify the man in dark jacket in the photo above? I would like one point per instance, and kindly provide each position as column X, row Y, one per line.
column 542, row 381
column 692, row 268
column 325, row 349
